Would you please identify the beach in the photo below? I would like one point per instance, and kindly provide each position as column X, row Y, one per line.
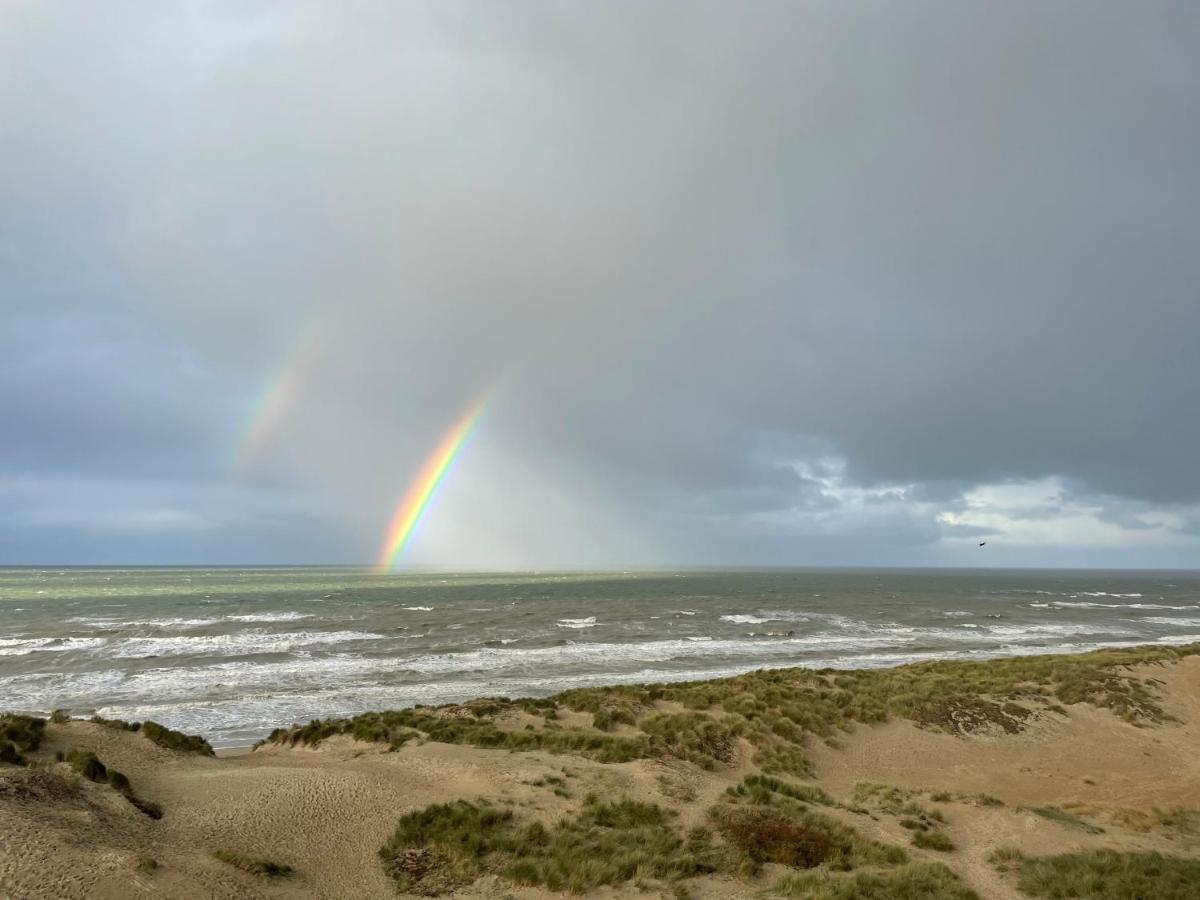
column 232, row 653
column 955, row 774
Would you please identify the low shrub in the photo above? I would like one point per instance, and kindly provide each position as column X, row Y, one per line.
column 915, row 881
column 23, row 733
column 604, row 844
column 176, row 740
column 1067, row 819
column 933, row 840
column 1103, row 875
column 254, row 866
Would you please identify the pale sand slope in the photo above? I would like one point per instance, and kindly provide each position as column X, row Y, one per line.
column 327, row 812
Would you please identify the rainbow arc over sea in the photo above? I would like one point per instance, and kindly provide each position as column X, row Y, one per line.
column 412, row 508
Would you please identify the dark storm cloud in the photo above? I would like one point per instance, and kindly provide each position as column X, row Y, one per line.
column 766, row 285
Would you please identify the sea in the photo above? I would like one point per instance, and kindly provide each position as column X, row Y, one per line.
column 232, row 653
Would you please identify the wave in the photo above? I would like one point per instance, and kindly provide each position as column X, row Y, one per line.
column 1174, row 623
column 243, row 643
column 26, row 646
column 745, row 620
column 589, row 622
column 270, row 617
column 418, row 608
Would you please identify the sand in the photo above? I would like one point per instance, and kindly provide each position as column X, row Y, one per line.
column 327, row 811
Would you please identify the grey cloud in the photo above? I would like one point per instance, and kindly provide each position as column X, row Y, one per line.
column 689, row 247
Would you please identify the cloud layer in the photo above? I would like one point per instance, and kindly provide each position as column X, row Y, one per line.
column 821, row 284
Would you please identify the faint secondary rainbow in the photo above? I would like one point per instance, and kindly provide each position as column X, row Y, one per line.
column 412, row 508
column 277, row 396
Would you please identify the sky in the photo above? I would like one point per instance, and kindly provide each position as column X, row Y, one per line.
column 768, row 284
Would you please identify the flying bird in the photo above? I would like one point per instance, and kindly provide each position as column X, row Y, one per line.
column 981, row 543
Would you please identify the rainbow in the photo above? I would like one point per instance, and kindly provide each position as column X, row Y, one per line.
column 277, row 396
column 416, row 501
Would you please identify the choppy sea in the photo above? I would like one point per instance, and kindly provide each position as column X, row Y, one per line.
column 233, row 653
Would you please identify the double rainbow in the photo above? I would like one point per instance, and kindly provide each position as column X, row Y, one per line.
column 279, row 394
column 412, row 508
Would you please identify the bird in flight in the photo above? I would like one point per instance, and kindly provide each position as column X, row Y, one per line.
column 981, row 543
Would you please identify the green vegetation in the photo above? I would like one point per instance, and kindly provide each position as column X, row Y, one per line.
column 1062, row 817
column 1102, row 875
column 933, row 840
column 441, row 846
column 19, row 735
column 60, row 717
column 605, row 719
column 161, row 735
column 758, row 788
column 916, row 881
column 897, row 802
column 176, row 740
column 87, row 764
column 769, row 820
column 253, row 866
column 1175, row 821
column 116, row 724
column 775, row 710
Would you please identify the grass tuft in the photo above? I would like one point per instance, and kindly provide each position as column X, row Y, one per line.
column 933, row 840
column 254, row 866
column 176, row 740
column 1103, row 875
column 441, row 846
column 915, row 881
column 1064, row 818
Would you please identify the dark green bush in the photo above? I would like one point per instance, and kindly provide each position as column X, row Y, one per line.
column 253, row 866
column 176, row 740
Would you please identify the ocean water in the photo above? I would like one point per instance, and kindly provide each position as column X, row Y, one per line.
column 233, row 653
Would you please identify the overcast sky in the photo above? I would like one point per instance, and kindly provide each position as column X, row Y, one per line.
column 786, row 284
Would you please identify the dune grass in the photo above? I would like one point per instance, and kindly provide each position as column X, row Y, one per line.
column 1103, row 875
column 1064, row 818
column 88, row 765
column 932, row 840
column 605, row 843
column 1175, row 821
column 161, row 735
column 897, row 802
column 776, row 711
column 253, row 866
column 771, row 821
column 19, row 735
column 177, row 740
column 914, row 881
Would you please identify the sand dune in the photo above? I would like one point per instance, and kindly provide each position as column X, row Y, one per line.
column 327, row 811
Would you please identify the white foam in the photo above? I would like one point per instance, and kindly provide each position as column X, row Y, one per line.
column 418, row 608
column 25, row 646
column 1175, row 623
column 589, row 622
column 745, row 620
column 240, row 644
column 270, row 617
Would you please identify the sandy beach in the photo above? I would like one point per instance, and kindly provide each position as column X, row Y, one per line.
column 1016, row 770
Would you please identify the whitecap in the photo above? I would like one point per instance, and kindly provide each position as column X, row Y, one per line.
column 589, row 622
column 242, row 643
column 1173, row 622
column 745, row 620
